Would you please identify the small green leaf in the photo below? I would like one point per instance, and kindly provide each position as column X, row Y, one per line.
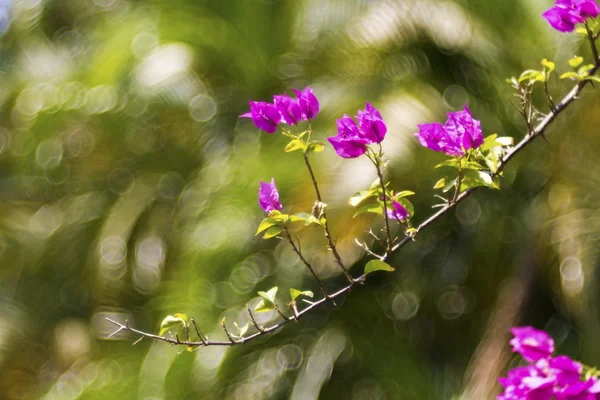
column 266, row 224
column 471, row 165
column 172, row 321
column 377, row 265
column 575, row 61
column 453, row 162
column 358, row 198
column 532, row 76
column 581, row 31
column 491, row 160
column 440, row 184
column 294, row 293
column 315, row 147
column 269, row 294
column 489, row 142
column 263, row 306
column 572, row 75
column 549, row 65
column 373, row 208
column 450, row 184
column 404, row 193
column 273, row 231
column 294, row 145
column 592, row 78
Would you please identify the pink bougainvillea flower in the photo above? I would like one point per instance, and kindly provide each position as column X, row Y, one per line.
column 268, row 196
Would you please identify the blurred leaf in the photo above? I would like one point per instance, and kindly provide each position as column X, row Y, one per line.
column 440, row 184
column 453, row 162
column 377, row 265
column 241, row 330
column 269, row 294
column 315, row 147
column 549, row 65
column 294, row 293
column 273, row 231
column 294, row 145
column 575, row 61
column 357, row 198
column 532, row 76
column 373, row 208
column 172, row 321
column 263, row 306
column 572, row 75
column 266, row 224
column 404, row 193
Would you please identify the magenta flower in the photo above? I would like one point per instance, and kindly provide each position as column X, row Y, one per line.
column 371, row 124
column 288, row 108
column 398, row 213
column 350, row 142
column 268, row 196
column 565, row 14
column 461, row 132
column 531, row 343
column 264, row 115
column 352, row 139
column 309, row 105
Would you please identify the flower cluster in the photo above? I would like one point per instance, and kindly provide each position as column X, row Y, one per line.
column 353, row 138
column 565, row 14
column 284, row 109
column 545, row 377
column 461, row 132
column 268, row 196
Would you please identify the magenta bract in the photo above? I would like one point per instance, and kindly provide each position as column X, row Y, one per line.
column 268, row 196
column 399, row 213
column 288, row 108
column 309, row 105
column 352, row 139
column 264, row 115
column 461, row 132
column 565, row 14
column 531, row 343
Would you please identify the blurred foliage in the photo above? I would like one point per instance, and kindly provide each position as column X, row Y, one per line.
column 128, row 189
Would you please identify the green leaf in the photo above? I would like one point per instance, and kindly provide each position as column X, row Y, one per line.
column 471, row 165
column 266, row 224
column 294, row 293
column 369, row 208
column 377, row 265
column 440, row 184
column 315, row 147
column 269, row 294
column 575, row 61
column 453, row 162
column 489, row 142
column 592, row 78
column 532, row 76
column 572, row 75
column 491, row 160
column 263, row 306
column 449, row 185
column 357, row 198
column 294, row 145
column 549, row 65
column 172, row 321
column 581, row 31
column 404, row 193
column 306, row 217
column 583, row 71
column 272, row 231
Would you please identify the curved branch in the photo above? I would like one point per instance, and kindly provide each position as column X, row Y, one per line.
column 262, row 331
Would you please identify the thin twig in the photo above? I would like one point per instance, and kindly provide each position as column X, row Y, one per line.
column 305, row 262
column 260, row 328
column 330, row 243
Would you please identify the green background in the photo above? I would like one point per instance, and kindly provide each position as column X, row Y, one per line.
column 128, row 189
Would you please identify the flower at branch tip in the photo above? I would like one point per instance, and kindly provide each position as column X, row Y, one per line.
column 268, row 196
column 531, row 343
column 352, row 139
column 371, row 124
column 309, row 105
column 349, row 143
column 565, row 14
column 265, row 116
column 398, row 213
column 460, row 132
column 288, row 108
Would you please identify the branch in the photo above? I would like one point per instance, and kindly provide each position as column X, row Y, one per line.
column 262, row 331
